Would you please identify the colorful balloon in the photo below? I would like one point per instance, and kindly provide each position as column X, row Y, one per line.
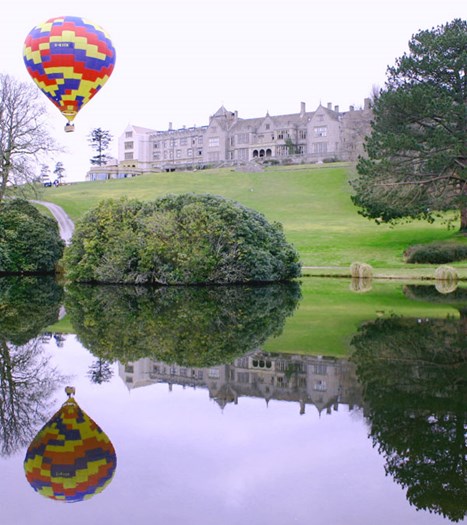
column 70, row 59
column 71, row 458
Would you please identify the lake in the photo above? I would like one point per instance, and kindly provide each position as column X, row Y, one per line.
column 325, row 402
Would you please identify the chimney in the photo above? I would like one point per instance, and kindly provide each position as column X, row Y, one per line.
column 336, row 109
column 170, row 126
column 329, row 105
column 366, row 103
column 302, row 109
column 351, row 108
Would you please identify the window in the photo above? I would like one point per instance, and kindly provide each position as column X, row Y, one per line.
column 243, row 154
column 200, row 139
column 320, row 386
column 242, row 138
column 243, row 377
column 268, row 126
column 128, row 156
column 213, row 142
column 320, row 147
column 214, row 373
column 321, row 369
column 302, row 134
column 189, row 152
column 129, row 145
column 183, row 141
column 179, row 153
column 128, row 134
column 321, row 131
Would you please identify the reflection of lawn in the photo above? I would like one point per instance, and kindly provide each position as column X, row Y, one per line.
column 329, row 315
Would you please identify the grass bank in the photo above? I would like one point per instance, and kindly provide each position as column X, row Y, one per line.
column 312, row 203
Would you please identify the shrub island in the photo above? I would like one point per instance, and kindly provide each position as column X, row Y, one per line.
column 178, row 240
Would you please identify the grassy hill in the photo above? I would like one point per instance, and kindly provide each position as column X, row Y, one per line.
column 312, row 203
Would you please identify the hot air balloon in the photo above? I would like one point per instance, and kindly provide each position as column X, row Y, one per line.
column 70, row 59
column 71, row 459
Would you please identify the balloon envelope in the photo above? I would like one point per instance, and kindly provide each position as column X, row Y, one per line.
column 71, row 458
column 70, row 59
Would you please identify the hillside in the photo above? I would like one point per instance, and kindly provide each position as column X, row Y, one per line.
column 312, row 202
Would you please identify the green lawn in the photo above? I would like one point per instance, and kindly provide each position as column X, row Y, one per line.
column 312, row 202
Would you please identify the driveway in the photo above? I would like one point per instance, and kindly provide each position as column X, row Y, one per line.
column 65, row 224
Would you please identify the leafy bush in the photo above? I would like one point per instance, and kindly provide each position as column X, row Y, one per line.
column 29, row 241
column 436, row 253
column 179, row 239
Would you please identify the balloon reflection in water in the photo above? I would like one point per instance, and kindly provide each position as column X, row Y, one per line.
column 71, row 459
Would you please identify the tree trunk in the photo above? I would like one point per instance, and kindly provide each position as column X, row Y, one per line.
column 463, row 228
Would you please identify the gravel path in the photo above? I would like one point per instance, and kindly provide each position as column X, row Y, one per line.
column 65, row 224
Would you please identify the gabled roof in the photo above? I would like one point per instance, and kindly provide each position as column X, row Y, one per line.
column 140, row 129
column 221, row 112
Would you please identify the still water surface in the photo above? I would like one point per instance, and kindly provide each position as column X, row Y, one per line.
column 210, row 426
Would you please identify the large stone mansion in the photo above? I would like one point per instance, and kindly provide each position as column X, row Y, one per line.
column 324, row 135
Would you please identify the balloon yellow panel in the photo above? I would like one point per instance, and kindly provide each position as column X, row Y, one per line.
column 70, row 59
column 71, row 458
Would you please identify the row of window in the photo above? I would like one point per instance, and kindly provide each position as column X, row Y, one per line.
column 188, row 154
column 213, row 142
column 183, row 141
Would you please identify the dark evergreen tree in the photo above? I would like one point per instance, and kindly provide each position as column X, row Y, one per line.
column 100, row 140
column 416, row 153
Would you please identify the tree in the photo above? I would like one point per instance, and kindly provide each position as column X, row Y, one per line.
column 179, row 239
column 29, row 241
column 416, row 153
column 24, row 132
column 59, row 172
column 100, row 139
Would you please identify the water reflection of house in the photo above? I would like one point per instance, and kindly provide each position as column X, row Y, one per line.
column 324, row 382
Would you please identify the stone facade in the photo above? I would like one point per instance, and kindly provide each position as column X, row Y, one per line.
column 322, row 382
column 326, row 134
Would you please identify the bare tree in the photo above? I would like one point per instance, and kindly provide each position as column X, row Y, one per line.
column 24, row 133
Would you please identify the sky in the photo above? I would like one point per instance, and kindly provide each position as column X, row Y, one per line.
column 178, row 61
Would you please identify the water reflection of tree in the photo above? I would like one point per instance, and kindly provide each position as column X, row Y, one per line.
column 27, row 380
column 27, row 306
column 191, row 326
column 100, row 371
column 414, row 376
